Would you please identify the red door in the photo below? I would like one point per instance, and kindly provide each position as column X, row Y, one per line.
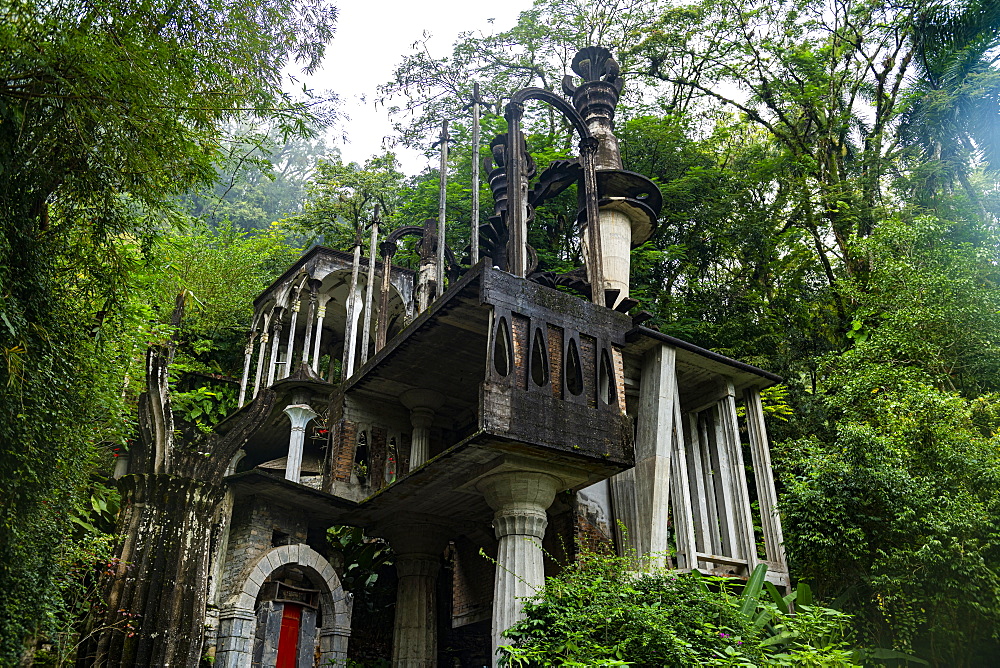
column 288, row 640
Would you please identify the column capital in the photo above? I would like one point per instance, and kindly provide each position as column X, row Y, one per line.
column 520, row 522
column 510, row 492
column 300, row 415
column 419, row 565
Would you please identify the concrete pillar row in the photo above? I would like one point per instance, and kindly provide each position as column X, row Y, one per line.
column 519, row 499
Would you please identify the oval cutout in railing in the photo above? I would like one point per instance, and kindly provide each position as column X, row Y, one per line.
column 539, row 360
column 605, row 382
column 574, row 370
column 503, row 360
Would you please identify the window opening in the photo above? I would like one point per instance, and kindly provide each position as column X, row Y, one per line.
column 574, row 370
column 539, row 363
column 605, row 382
column 502, row 358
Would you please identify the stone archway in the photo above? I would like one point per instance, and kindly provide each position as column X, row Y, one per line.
column 238, row 619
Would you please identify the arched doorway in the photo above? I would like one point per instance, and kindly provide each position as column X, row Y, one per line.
column 291, row 607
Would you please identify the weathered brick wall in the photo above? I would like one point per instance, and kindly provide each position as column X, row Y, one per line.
column 253, row 529
column 555, row 346
column 472, row 580
column 519, row 334
column 588, row 360
column 342, row 451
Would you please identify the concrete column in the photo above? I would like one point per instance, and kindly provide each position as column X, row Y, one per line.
column 418, row 549
column 260, row 357
column 654, row 436
column 272, row 366
column 290, row 346
column 245, row 379
column 320, row 314
column 422, row 405
column 300, row 415
column 236, row 628
column 310, row 314
column 519, row 499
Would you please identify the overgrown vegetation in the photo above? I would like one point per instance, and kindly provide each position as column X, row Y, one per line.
column 830, row 181
column 600, row 612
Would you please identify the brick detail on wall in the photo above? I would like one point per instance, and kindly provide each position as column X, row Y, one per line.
column 555, row 346
column 588, row 360
column 619, row 371
column 345, row 438
column 472, row 582
column 519, row 333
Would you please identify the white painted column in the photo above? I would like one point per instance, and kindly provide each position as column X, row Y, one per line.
column 654, row 435
column 290, row 345
column 519, row 499
column 367, row 323
column 272, row 366
column 260, row 357
column 422, row 405
column 300, row 416
column 310, row 313
column 320, row 314
column 245, row 379
column 350, row 328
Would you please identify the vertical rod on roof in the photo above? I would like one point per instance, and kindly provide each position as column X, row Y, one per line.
column 474, row 231
column 442, row 206
column 517, row 192
column 366, row 328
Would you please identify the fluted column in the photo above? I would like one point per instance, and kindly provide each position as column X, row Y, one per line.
column 290, row 346
column 272, row 366
column 320, row 314
column 300, row 415
column 422, row 405
column 418, row 547
column 245, row 379
column 519, row 499
column 260, row 358
column 310, row 314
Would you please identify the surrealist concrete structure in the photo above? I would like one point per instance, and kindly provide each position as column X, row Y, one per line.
column 509, row 412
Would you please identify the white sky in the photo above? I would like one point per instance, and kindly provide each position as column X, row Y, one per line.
column 372, row 38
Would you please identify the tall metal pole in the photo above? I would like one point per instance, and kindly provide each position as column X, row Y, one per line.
column 474, row 231
column 442, row 206
column 367, row 313
column 517, row 193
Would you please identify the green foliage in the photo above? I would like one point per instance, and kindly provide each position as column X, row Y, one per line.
column 598, row 612
column 108, row 112
column 363, row 556
column 341, row 200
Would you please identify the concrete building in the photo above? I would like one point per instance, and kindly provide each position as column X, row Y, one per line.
column 465, row 409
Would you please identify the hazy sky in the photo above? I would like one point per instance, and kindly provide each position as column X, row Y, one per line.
column 371, row 39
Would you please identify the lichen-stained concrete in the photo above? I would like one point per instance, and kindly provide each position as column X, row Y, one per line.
column 519, row 499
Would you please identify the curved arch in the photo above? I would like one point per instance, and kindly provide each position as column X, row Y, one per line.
column 547, row 96
column 414, row 231
column 237, row 623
